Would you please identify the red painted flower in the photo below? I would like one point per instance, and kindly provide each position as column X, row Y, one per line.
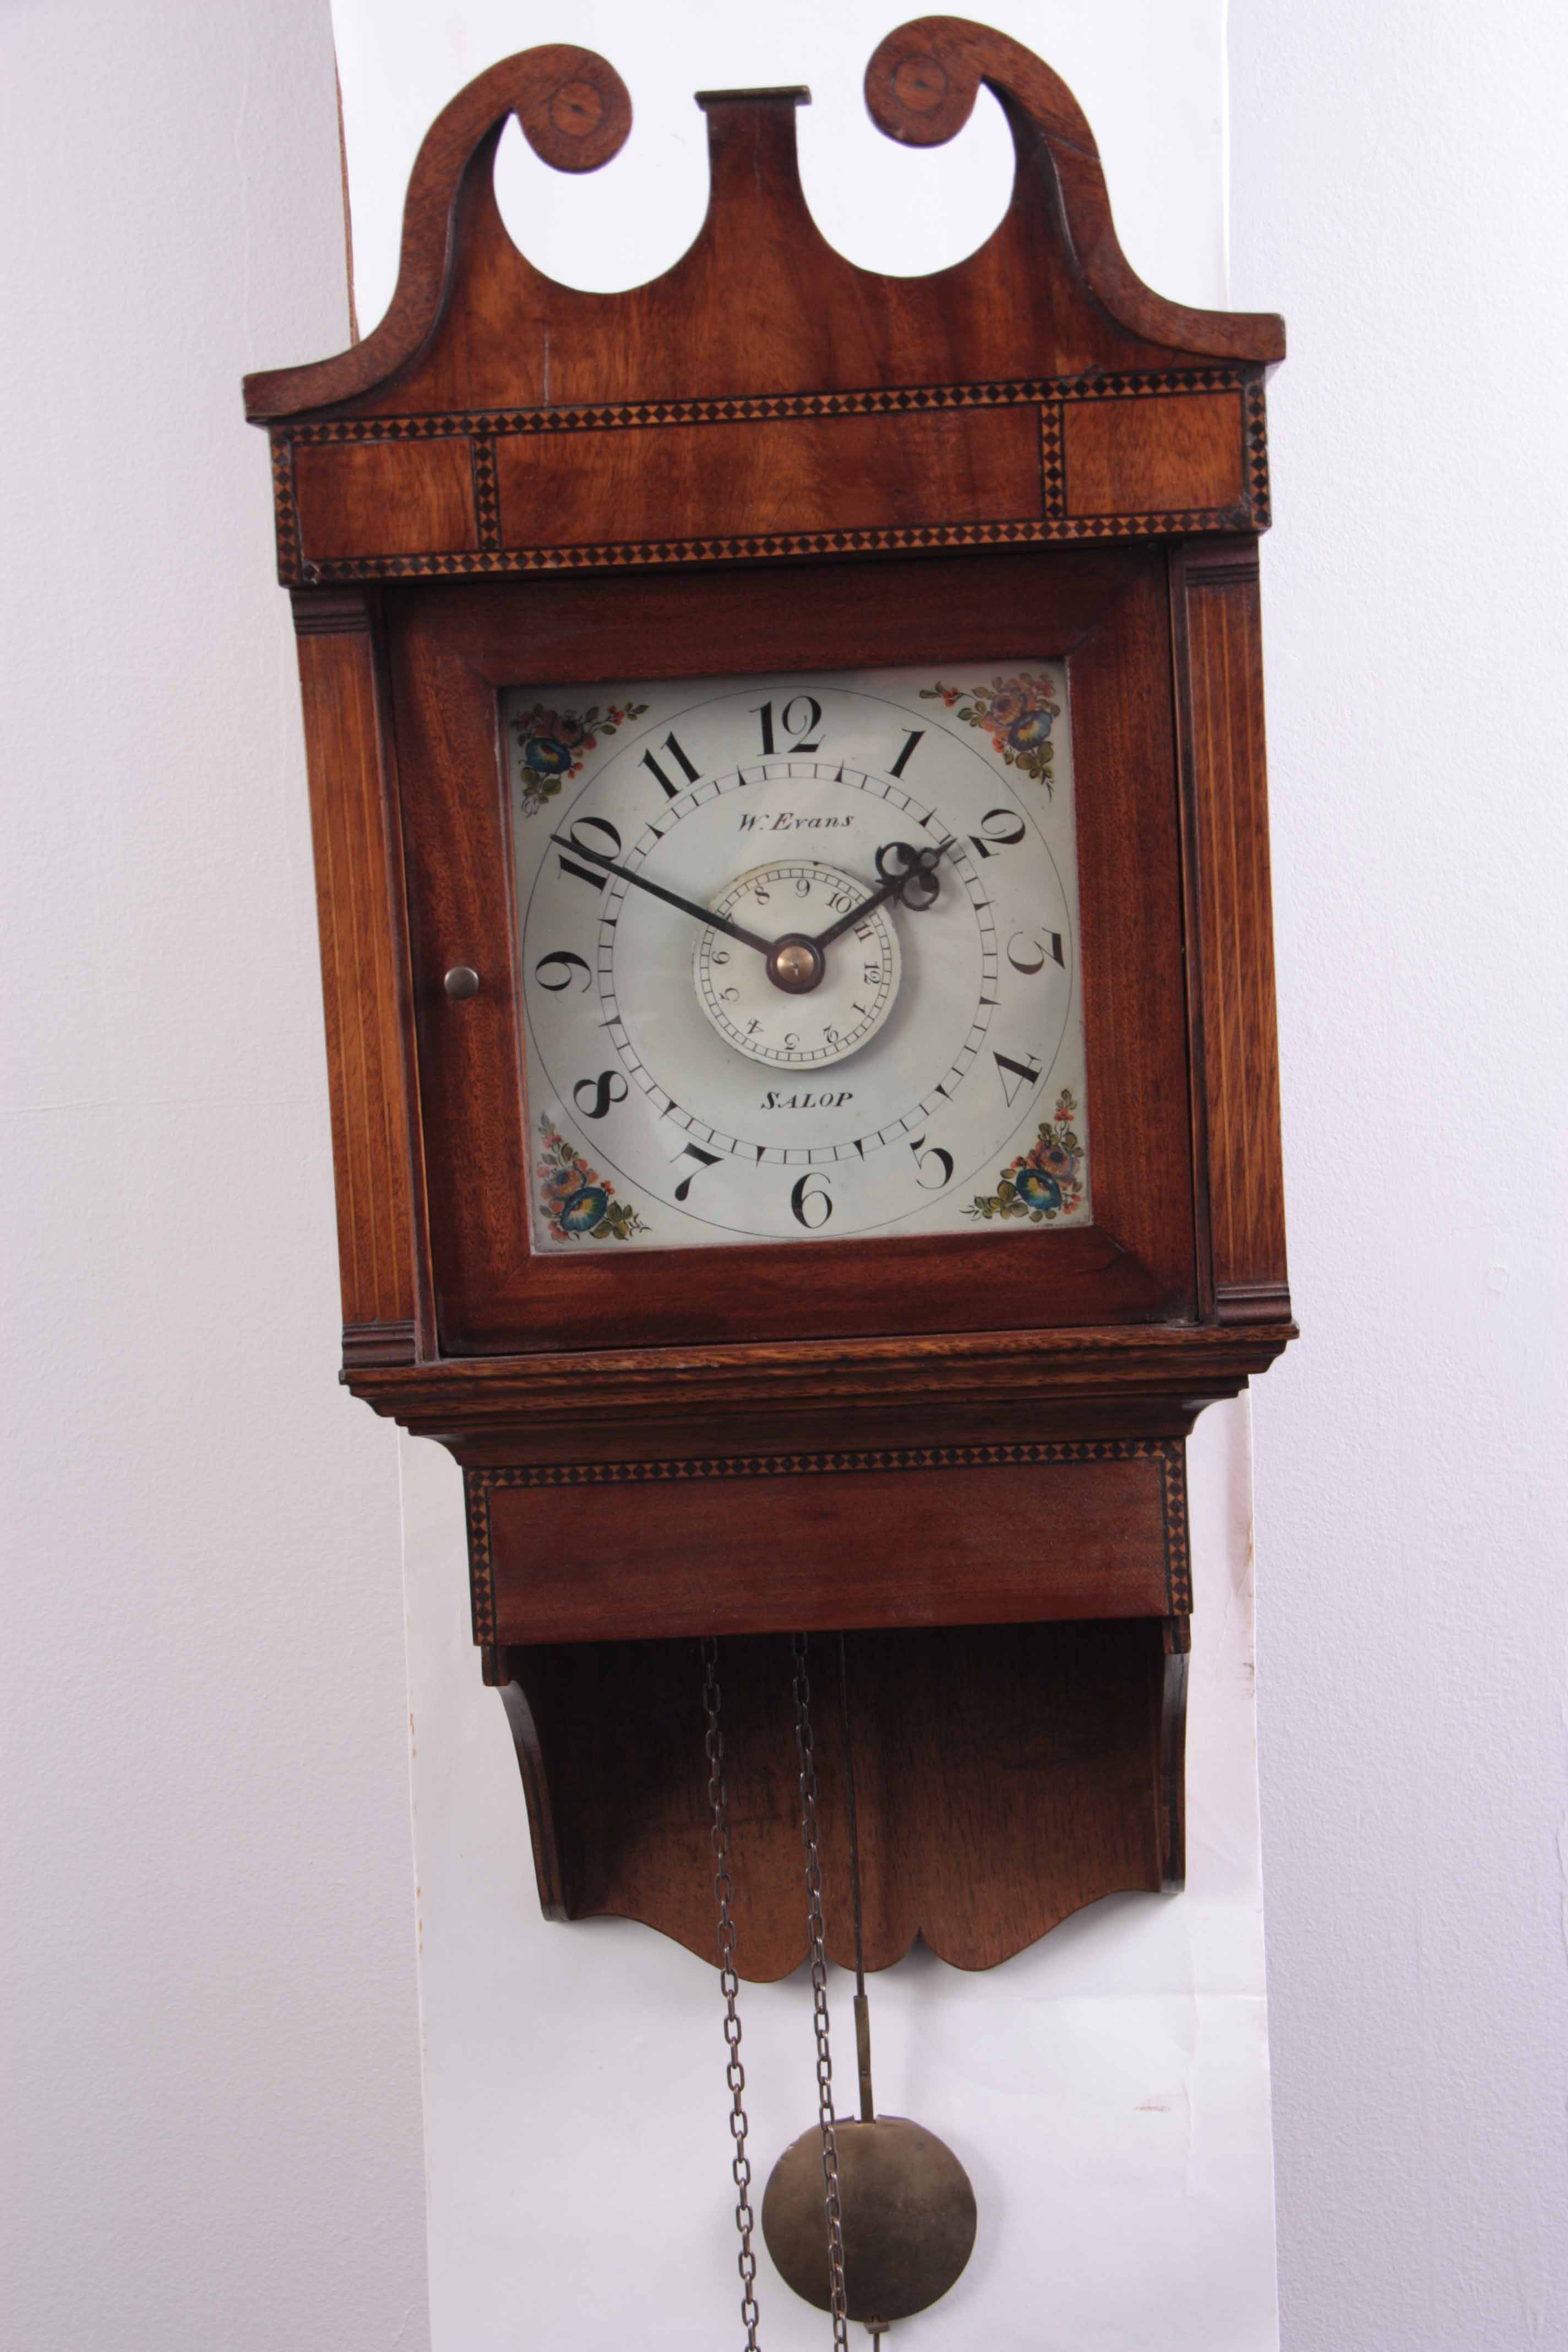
column 1056, row 1161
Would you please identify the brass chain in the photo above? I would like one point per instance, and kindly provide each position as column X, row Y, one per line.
column 830, row 2199
column 730, row 1986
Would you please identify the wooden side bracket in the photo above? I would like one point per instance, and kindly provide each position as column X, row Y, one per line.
column 1005, row 1775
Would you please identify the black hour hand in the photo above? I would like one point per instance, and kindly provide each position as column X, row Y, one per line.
column 914, row 872
column 911, row 873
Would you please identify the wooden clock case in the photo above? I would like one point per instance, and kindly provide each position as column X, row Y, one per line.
column 969, row 1452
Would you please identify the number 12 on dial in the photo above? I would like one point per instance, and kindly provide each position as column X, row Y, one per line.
column 799, row 956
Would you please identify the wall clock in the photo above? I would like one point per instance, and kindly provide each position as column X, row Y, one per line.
column 786, row 764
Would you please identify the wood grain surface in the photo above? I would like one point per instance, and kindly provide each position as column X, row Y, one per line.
column 970, row 1534
column 1005, row 1776
column 362, row 979
column 1217, row 587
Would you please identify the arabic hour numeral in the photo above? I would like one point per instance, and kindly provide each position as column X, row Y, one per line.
column 999, row 829
column 903, row 762
column 595, row 1096
column 792, row 724
column 924, row 1152
column 811, row 1209
column 1035, row 951
column 598, row 875
column 565, row 962
column 1022, row 1073
column 671, row 792
column 703, row 1158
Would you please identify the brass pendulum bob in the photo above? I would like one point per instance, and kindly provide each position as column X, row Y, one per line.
column 906, row 2208
column 908, row 2219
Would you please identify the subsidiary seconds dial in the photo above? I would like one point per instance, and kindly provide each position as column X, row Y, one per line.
column 801, row 1005
column 798, row 962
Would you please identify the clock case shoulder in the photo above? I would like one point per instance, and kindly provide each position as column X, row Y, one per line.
column 1023, row 1491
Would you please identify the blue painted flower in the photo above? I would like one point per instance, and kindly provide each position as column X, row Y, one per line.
column 1036, row 1190
column 546, row 756
column 1027, row 733
column 584, row 1209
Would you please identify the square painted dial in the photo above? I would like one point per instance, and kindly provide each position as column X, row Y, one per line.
column 799, row 956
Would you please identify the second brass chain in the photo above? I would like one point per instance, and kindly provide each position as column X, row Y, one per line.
column 832, row 2206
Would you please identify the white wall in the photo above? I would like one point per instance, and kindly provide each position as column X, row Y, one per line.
column 1399, row 192
column 212, row 2130
column 1108, row 2088
column 211, row 2095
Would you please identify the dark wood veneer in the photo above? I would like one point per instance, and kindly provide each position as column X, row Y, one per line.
column 940, row 1535
column 769, row 459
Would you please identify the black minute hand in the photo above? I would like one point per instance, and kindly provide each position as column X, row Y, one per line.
column 656, row 890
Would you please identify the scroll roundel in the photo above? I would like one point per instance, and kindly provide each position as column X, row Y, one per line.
column 921, row 83
column 919, row 89
column 573, row 107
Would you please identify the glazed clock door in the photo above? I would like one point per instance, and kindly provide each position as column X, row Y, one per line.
column 799, row 956
column 829, row 951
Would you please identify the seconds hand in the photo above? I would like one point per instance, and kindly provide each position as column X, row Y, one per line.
column 656, row 890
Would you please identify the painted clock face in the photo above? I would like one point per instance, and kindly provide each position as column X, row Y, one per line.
column 799, row 956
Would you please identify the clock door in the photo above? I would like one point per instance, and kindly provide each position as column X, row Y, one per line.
column 828, row 947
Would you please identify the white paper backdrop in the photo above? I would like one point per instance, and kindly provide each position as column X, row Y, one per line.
column 1107, row 2090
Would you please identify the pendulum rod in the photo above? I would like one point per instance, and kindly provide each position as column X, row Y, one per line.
column 862, row 2007
column 730, row 1986
column 808, row 1830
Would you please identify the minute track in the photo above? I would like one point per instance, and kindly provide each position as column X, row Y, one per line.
column 735, row 1084
column 906, row 1120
